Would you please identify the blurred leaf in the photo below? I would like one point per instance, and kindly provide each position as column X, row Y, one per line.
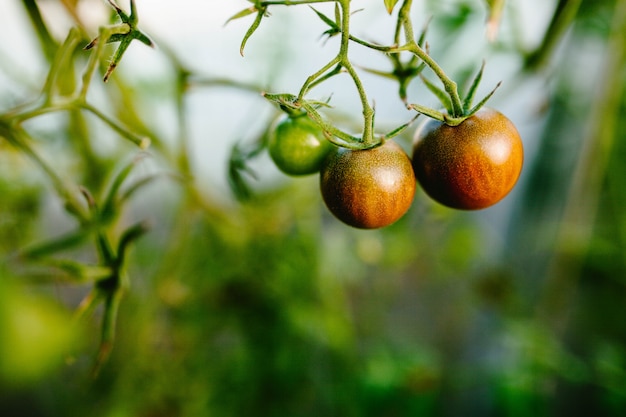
column 334, row 26
column 35, row 335
column 19, row 207
column 441, row 95
column 137, row 185
column 124, row 33
column 48, row 270
column 131, row 234
column 243, row 13
column 495, row 16
column 469, row 97
column 109, row 207
column 68, row 241
column 48, row 44
column 62, row 73
column 255, row 25
column 238, row 167
column 563, row 16
column 390, row 4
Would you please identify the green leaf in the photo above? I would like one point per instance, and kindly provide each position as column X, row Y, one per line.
column 483, row 101
column 124, row 33
column 136, row 186
column 422, row 39
column 390, row 4
column 257, row 22
column 111, row 200
column 469, row 98
column 400, row 129
column 68, row 241
column 238, row 167
column 61, row 74
column 78, row 271
column 439, row 93
column 130, row 235
column 334, row 27
column 143, row 38
column 333, row 134
column 47, row 41
column 427, row 111
column 379, row 73
column 326, row 19
column 289, row 101
column 123, row 16
column 239, row 15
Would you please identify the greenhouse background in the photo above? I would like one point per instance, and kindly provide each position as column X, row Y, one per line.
column 243, row 295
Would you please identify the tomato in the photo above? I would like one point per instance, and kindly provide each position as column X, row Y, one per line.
column 470, row 166
column 370, row 188
column 297, row 146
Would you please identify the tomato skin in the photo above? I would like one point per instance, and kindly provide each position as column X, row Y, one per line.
column 368, row 189
column 470, row 166
column 298, row 146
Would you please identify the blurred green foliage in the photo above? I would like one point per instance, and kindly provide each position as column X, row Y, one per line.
column 271, row 307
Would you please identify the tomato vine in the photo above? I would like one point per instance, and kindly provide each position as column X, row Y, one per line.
column 457, row 109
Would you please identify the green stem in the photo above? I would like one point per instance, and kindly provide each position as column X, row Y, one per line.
column 412, row 46
column 448, row 84
column 19, row 138
column 41, row 110
column 142, row 142
column 63, row 55
column 311, row 80
column 184, row 151
column 334, row 67
column 109, row 320
column 368, row 112
column 104, row 35
column 404, row 20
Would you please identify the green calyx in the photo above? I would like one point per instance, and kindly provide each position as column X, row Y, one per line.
column 124, row 33
column 295, row 107
column 456, row 110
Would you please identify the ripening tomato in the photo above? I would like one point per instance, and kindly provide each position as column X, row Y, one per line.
column 470, row 166
column 368, row 189
column 297, row 146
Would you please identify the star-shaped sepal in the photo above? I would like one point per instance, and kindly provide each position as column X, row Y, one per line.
column 124, row 33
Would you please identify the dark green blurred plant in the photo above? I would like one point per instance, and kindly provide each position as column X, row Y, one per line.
column 97, row 220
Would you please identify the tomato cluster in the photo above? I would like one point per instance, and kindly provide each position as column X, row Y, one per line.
column 470, row 166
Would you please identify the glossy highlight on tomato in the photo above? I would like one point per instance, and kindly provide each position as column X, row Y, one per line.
column 470, row 166
column 297, row 146
column 368, row 189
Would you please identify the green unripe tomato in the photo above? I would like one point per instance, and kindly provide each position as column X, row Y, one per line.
column 298, row 146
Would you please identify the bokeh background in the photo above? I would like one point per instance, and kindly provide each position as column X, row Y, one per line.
column 267, row 305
